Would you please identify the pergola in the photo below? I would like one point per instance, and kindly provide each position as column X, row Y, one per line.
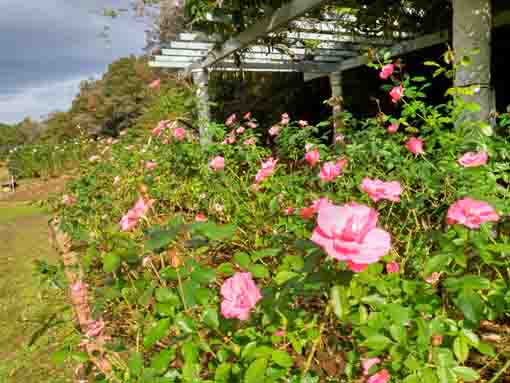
column 333, row 51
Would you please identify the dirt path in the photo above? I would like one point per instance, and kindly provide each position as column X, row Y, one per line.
column 27, row 306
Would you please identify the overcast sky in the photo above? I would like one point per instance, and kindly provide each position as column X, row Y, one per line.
column 48, row 46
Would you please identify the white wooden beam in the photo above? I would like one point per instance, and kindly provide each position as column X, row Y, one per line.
column 278, row 19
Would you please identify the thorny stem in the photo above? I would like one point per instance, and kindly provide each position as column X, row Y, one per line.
column 500, row 372
column 315, row 345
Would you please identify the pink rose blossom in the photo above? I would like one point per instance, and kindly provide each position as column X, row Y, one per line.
column 377, row 189
column 397, row 93
column 240, row 295
column 367, row 364
column 392, row 128
column 200, row 217
column 415, row 145
column 95, row 328
column 251, row 125
column 247, row 116
column 349, row 233
column 217, row 163
column 156, row 132
column 131, row 218
column 307, row 212
column 312, row 157
column 249, row 141
column 339, row 138
column 471, row 213
column 386, row 71
column 302, row 123
column 392, row 267
column 149, row 165
column 382, row 376
column 179, row 134
column 285, row 119
column 288, row 211
column 473, row 159
column 68, row 200
column 308, row 147
column 229, row 140
column 266, row 169
column 279, row 333
column 331, row 170
column 240, row 130
column 155, row 84
column 231, row 120
column 275, row 129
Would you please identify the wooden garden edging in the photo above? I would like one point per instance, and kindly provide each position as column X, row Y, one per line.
column 91, row 330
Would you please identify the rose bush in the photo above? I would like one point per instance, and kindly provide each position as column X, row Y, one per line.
column 390, row 271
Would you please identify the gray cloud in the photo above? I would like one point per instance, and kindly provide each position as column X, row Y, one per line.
column 47, row 43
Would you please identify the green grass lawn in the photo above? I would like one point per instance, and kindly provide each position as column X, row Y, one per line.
column 26, row 305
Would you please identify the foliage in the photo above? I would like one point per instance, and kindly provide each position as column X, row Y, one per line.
column 159, row 284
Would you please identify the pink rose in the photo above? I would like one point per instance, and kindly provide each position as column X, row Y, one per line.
column 240, row 295
column 249, row 141
column 302, row 123
column 339, row 138
column 95, row 328
column 393, row 128
column 415, row 145
column 240, row 130
column 149, row 165
column 331, row 170
column 349, row 233
column 131, row 218
column 231, row 120
column 471, row 213
column 279, row 333
column 356, row 267
column 386, row 71
column 200, row 217
column 229, row 140
column 473, row 159
column 275, row 129
column 247, row 116
column 382, row 376
column 155, row 84
column 179, row 134
column 307, row 212
column 433, row 278
column 68, row 200
column 308, row 147
column 377, row 189
column 266, row 169
column 312, row 157
column 367, row 364
column 396, row 93
column 251, row 125
column 285, row 119
column 156, row 132
column 392, row 267
column 217, row 163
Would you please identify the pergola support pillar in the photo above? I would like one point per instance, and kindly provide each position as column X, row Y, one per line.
column 201, row 80
column 336, row 101
column 472, row 26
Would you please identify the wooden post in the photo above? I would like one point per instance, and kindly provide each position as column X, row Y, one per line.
column 201, row 79
column 472, row 25
column 336, row 101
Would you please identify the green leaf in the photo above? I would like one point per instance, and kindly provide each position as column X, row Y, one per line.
column 471, row 305
column 243, row 260
column 339, row 301
column 259, row 271
column 255, row 373
column 467, row 374
column 185, row 323
column 377, row 342
column 135, row 363
column 461, row 349
column 165, row 295
column 222, row 372
column 156, row 333
column 226, row 269
column 210, row 318
column 282, row 358
column 190, row 352
column 437, row 263
column 265, row 253
column 161, row 361
column 203, row 275
column 431, row 63
column 111, row 262
column 284, row 276
column 160, row 239
column 214, row 231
